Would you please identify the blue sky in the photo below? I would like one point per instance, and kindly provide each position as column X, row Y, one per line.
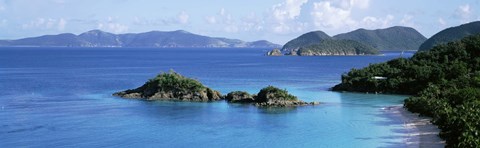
column 274, row 20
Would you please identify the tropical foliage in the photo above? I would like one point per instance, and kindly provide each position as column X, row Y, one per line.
column 393, row 38
column 171, row 82
column 337, row 47
column 444, row 82
column 271, row 93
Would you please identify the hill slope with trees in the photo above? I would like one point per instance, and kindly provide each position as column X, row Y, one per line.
column 444, row 82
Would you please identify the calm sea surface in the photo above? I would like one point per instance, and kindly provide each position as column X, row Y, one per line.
column 61, row 97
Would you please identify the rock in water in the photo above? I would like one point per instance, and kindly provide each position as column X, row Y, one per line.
column 239, row 97
column 274, row 97
column 172, row 86
column 267, row 97
column 274, row 52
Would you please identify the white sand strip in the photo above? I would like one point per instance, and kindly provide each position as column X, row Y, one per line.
column 421, row 133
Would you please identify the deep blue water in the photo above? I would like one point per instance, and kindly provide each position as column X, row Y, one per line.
column 61, row 97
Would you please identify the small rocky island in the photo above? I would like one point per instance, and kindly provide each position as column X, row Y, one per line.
column 172, row 86
column 274, row 52
column 267, row 97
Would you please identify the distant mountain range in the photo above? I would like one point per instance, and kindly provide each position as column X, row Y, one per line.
column 451, row 34
column 393, row 38
column 97, row 38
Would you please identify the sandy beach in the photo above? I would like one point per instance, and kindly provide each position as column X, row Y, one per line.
column 419, row 131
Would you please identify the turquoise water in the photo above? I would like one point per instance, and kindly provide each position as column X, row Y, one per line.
column 61, row 97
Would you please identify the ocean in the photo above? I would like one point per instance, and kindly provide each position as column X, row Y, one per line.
column 61, row 97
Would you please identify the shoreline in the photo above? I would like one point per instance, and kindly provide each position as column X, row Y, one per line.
column 419, row 131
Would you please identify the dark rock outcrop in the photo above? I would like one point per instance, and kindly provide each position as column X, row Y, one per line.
column 172, row 86
column 239, row 97
column 274, row 52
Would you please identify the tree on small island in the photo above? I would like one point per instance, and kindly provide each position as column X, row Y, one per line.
column 172, row 86
column 267, row 97
column 271, row 93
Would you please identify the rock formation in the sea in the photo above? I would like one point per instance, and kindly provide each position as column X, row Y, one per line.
column 268, row 97
column 239, row 97
column 172, row 86
column 274, row 52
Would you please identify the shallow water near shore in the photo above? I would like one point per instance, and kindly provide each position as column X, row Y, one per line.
column 59, row 97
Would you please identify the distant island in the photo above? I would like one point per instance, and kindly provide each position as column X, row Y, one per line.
column 318, row 43
column 172, row 86
column 358, row 42
column 157, row 39
column 451, row 34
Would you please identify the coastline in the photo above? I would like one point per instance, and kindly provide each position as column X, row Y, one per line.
column 418, row 130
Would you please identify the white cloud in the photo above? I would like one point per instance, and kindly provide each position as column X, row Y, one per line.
column 371, row 22
column 326, row 15
column 225, row 20
column 442, row 22
column 183, row 17
column 111, row 25
column 363, row 4
column 61, row 24
column 3, row 23
column 336, row 15
column 211, row 19
column 288, row 10
column 464, row 13
column 283, row 18
column 407, row 20
column 252, row 22
column 222, row 12
column 45, row 24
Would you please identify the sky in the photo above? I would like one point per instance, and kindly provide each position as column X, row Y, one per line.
column 275, row 20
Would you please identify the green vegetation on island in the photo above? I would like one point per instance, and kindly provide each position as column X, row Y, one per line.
column 335, row 47
column 444, row 82
column 305, row 39
column 172, row 86
column 267, row 97
column 392, row 38
column 358, row 42
column 451, row 34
